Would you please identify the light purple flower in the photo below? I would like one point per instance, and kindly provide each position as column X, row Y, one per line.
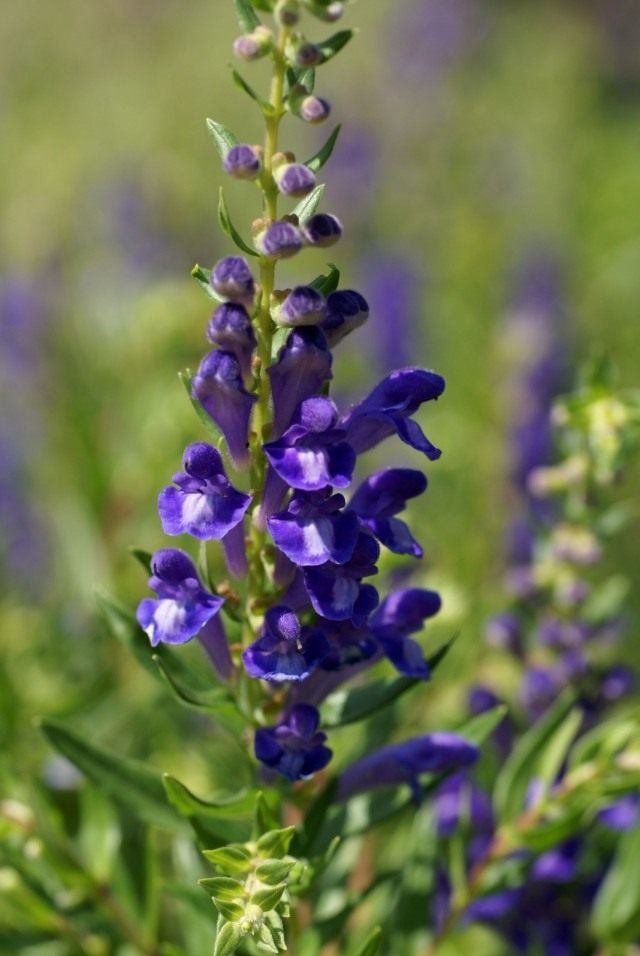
column 204, row 504
column 231, row 277
column 183, row 606
column 231, row 329
column 280, row 240
column 242, row 162
column 314, row 529
column 294, row 179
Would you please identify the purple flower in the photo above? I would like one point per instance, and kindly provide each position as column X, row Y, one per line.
column 294, row 747
column 393, row 287
column 403, row 613
column 312, row 109
column 303, row 306
column 438, row 752
column 460, row 803
column 622, row 815
column 253, row 46
column 380, row 497
column 183, row 606
column 388, row 410
column 219, row 388
column 312, row 452
column 286, row 651
column 335, row 590
column 302, row 368
column 322, row 230
column 205, row 504
column 242, row 162
column 308, row 55
column 280, row 240
column 231, row 329
column 347, row 310
column 294, row 179
column 538, row 690
column 557, row 865
column 504, row 631
column 231, row 278
column 349, row 646
column 314, row 529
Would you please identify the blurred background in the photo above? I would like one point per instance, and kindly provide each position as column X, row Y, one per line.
column 489, row 182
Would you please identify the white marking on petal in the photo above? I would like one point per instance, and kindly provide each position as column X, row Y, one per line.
column 312, row 465
column 197, row 508
column 318, row 538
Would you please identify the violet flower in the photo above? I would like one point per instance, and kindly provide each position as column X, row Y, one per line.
column 380, row 498
column 219, row 388
column 314, row 529
column 294, row 748
column 286, row 650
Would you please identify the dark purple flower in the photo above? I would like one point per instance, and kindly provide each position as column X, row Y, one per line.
column 336, row 591
column 347, row 310
column 382, row 496
column 403, row 613
column 286, row 650
column 231, row 278
column 287, row 13
column 214, row 641
column 302, row 368
column 219, row 388
column 459, row 802
column 616, row 683
column 349, row 646
column 280, row 240
column 242, row 162
column 437, row 752
column 322, row 230
column 557, row 865
column 294, row 179
column 205, row 504
column 388, row 410
column 231, row 329
column 303, row 306
column 308, row 55
column 312, row 452
column 183, row 606
column 314, row 529
column 294, row 747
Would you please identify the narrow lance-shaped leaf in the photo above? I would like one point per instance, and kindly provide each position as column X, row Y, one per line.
column 318, row 160
column 229, row 229
column 223, row 138
column 242, row 84
column 327, row 283
column 202, row 278
column 307, row 206
column 335, row 43
column 126, row 780
column 246, row 15
column 371, row 946
column 228, row 939
column 616, row 911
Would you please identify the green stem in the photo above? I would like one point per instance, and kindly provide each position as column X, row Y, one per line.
column 258, row 586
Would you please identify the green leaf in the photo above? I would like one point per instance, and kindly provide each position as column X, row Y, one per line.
column 616, row 909
column 230, row 910
column 334, row 44
column 348, row 706
column 100, row 834
column 186, row 689
column 142, row 557
column 317, row 161
column 246, row 16
column 186, row 378
column 202, row 278
column 275, row 843
column 266, row 942
column 224, row 888
column 228, row 939
column 189, row 805
column 371, row 945
column 265, row 814
column 125, row 628
column 229, row 229
column 222, row 137
column 127, row 781
column 523, row 763
column 233, row 858
column 554, row 754
column 274, row 871
column 249, row 90
column 328, row 283
column 307, row 206
column 268, row 897
column 280, row 336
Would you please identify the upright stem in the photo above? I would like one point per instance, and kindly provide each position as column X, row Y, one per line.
column 257, row 584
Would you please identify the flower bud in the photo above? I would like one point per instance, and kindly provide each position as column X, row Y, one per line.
column 287, row 13
column 307, row 55
column 294, row 179
column 303, row 306
column 242, row 162
column 312, row 109
column 280, row 240
column 346, row 311
column 253, row 46
column 231, row 278
column 322, row 230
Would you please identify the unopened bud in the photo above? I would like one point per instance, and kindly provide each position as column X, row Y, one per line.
column 280, row 240
column 287, row 13
column 322, row 230
column 294, row 179
column 243, row 162
column 253, row 46
column 329, row 12
column 303, row 306
column 312, row 109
